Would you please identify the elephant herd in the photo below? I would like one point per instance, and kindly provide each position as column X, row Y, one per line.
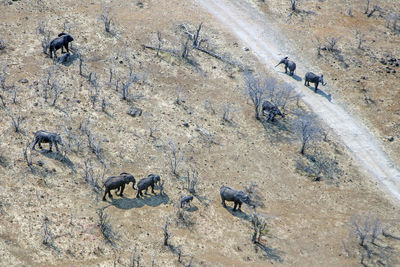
column 118, row 182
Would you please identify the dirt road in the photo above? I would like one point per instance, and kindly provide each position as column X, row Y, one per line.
column 253, row 29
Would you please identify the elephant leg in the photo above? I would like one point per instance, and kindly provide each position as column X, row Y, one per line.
column 105, row 193
column 57, row 147
column 234, row 207
column 145, row 191
column 285, row 69
column 66, row 47
column 138, row 194
column 34, row 144
column 51, row 147
column 122, row 190
column 109, row 194
column 316, row 87
column 152, row 189
column 240, row 206
column 40, row 145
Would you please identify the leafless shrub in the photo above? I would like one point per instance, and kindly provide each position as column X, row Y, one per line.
column 331, row 44
column 47, row 235
column 151, row 127
column 167, row 235
column 392, row 17
column 228, row 113
column 3, row 104
column 106, row 228
column 367, row 7
column 207, row 137
column 45, row 35
column 106, row 17
column 306, row 128
column 182, row 217
column 360, row 38
column 28, row 154
column 57, row 90
column 253, row 192
column 94, row 93
column 376, row 8
column 135, row 258
column 175, row 157
column 192, row 181
column 3, row 76
column 256, row 88
column 317, row 42
column 16, row 121
column 94, row 144
column 159, row 43
column 259, row 225
column 92, row 178
column 208, row 105
column 127, row 84
column 350, row 12
column 180, row 98
column 14, row 98
column 2, row 44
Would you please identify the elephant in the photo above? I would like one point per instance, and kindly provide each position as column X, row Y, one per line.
column 186, row 201
column 288, row 64
column 315, row 79
column 272, row 110
column 47, row 137
column 60, row 42
column 238, row 197
column 118, row 182
column 144, row 183
column 64, row 58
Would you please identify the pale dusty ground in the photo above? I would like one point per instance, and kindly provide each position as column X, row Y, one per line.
column 308, row 221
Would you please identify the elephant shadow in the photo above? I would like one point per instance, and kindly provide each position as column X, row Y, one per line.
column 321, row 93
column 60, row 157
column 149, row 200
column 297, row 77
column 192, row 209
column 71, row 59
column 238, row 213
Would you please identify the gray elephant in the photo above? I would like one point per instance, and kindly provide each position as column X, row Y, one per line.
column 47, row 137
column 271, row 110
column 315, row 79
column 144, row 183
column 186, row 201
column 238, row 197
column 288, row 64
column 62, row 42
column 118, row 182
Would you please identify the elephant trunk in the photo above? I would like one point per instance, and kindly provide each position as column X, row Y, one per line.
column 278, row 64
column 323, row 84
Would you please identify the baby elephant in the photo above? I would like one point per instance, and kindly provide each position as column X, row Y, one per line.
column 315, row 79
column 186, row 201
column 288, row 64
column 238, row 197
column 47, row 137
column 271, row 110
column 62, row 42
column 144, row 183
column 118, row 182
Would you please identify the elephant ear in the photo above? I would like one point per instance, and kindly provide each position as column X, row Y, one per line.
column 69, row 38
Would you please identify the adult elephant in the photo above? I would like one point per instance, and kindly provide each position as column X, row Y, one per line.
column 315, row 79
column 238, row 197
column 118, row 182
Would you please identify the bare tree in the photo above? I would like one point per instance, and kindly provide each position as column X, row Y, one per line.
column 350, row 12
column 175, row 157
column 126, row 85
column 307, row 129
column 47, row 235
column 228, row 112
column 106, row 17
column 159, row 42
column 392, row 17
column 360, row 38
column 45, row 35
column 92, row 178
column 367, row 7
column 57, row 90
column 3, row 76
column 28, row 156
column 331, row 45
column 293, row 4
column 208, row 105
column 192, row 181
column 16, row 121
column 259, row 225
column 167, row 235
column 14, row 99
column 256, row 89
column 94, row 94
column 376, row 8
column 105, row 227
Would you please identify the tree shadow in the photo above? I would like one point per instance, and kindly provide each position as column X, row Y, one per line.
column 238, row 213
column 277, row 130
column 269, row 253
column 130, row 203
column 58, row 156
